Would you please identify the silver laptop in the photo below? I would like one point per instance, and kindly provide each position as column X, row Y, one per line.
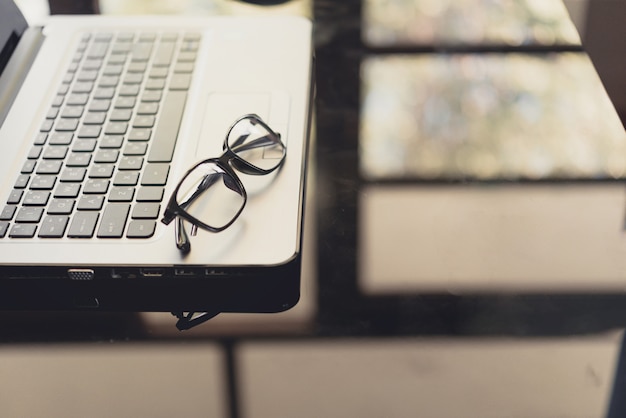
column 103, row 117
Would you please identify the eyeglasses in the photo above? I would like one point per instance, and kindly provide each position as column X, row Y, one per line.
column 210, row 195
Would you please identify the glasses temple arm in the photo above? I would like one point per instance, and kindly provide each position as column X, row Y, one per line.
column 182, row 239
column 257, row 143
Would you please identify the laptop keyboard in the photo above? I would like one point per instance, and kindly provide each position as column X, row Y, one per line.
column 100, row 162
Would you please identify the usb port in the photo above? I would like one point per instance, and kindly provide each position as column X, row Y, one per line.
column 184, row 272
column 151, row 272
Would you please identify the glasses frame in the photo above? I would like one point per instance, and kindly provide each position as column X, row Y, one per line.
column 225, row 162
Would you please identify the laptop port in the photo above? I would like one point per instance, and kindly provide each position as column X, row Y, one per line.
column 151, row 272
column 184, row 272
column 80, row 274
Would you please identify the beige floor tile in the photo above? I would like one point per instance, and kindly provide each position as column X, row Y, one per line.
column 112, row 380
column 482, row 378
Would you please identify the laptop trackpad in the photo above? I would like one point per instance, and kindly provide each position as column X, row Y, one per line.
column 223, row 108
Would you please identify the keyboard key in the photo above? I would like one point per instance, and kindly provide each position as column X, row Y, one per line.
column 53, row 226
column 135, row 148
column 99, row 105
column 40, row 138
column 109, row 81
column 28, row 167
column 183, row 67
column 121, row 47
column 88, row 74
column 141, row 52
column 28, row 214
column 163, row 54
column 114, row 68
column 22, row 181
column 35, row 152
column 121, row 194
column 129, row 90
column 134, row 77
column 46, row 126
column 61, row 138
column 103, row 37
column 113, row 220
column 67, row 190
column 155, row 84
column 36, row 198
column 78, row 99
column 125, row 102
column 187, row 56
column 49, row 167
column 4, row 227
column 23, row 231
column 53, row 112
column 145, row 210
column 94, row 118
column 65, row 124
column 78, row 159
column 143, row 121
column 139, row 134
column 121, row 115
column 150, row 194
column 116, row 128
column 159, row 72
column 141, row 229
column 155, row 174
column 15, row 197
column 180, row 81
column 96, row 186
column 166, row 132
column 83, row 224
column 117, row 59
column 84, row 145
column 106, row 156
column 97, row 50
column 8, row 212
column 126, row 178
column 91, row 202
column 152, row 96
column 111, row 141
column 104, row 93
column 58, row 100
column 43, row 182
column 131, row 163
column 147, row 108
column 73, row 174
column 101, row 171
column 55, row 152
column 137, row 67
column 61, row 206
column 89, row 131
column 82, row 87
column 72, row 111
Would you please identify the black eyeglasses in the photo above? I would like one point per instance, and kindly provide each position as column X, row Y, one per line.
column 210, row 195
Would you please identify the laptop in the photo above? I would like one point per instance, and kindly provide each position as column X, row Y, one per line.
column 101, row 117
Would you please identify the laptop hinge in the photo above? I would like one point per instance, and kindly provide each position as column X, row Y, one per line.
column 17, row 68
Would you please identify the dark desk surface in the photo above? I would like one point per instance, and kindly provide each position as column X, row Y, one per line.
column 437, row 278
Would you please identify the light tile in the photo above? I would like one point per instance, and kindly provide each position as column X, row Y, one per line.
column 435, row 378
column 112, row 380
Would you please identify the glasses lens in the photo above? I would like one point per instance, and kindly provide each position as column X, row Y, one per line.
column 211, row 195
column 256, row 144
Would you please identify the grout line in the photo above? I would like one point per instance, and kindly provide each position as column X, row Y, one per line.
column 230, row 372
